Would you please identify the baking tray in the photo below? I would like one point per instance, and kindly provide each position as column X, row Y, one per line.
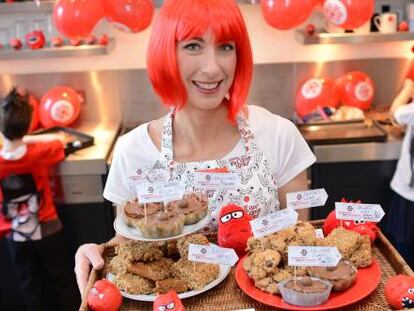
column 228, row 296
column 343, row 132
column 77, row 141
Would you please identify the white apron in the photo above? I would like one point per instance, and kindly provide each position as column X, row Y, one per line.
column 257, row 192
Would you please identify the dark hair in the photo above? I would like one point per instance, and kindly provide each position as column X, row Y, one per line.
column 15, row 115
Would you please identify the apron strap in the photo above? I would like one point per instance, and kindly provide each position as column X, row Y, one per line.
column 167, row 136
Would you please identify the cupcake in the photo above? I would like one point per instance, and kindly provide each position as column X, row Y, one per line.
column 162, row 224
column 194, row 206
column 342, row 276
column 305, row 291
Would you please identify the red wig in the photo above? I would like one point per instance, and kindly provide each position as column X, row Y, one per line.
column 181, row 20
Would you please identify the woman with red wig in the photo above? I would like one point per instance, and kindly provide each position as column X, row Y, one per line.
column 200, row 65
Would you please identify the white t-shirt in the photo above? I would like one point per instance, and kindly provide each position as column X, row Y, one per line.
column 404, row 115
column 278, row 138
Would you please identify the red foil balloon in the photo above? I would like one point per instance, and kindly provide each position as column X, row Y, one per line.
column 76, row 19
column 286, row 14
column 356, row 89
column 60, row 106
column 348, row 14
column 35, row 115
column 129, row 15
column 316, row 93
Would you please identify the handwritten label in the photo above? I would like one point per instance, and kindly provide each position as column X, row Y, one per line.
column 212, row 254
column 159, row 192
column 359, row 211
column 216, row 181
column 273, row 222
column 311, row 256
column 306, row 199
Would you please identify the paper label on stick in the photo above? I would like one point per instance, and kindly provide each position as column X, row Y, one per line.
column 159, row 192
column 312, row 256
column 273, row 222
column 359, row 211
column 212, row 254
column 306, row 199
column 216, row 181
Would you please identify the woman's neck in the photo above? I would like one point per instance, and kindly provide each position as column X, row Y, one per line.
column 201, row 126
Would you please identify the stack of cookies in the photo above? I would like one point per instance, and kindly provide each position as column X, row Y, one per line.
column 143, row 268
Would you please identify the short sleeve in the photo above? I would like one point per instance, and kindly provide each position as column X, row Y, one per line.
column 294, row 154
column 53, row 153
column 117, row 187
column 404, row 115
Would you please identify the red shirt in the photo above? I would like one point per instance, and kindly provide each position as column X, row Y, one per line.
column 37, row 160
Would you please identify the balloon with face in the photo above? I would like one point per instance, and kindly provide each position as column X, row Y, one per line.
column 348, row 14
column 234, row 228
column 35, row 39
column 356, row 89
column 399, row 291
column 168, row 302
column 60, row 106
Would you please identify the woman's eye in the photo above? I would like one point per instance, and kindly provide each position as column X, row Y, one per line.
column 193, row 47
column 226, row 47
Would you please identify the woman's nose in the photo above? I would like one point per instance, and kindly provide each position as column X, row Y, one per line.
column 210, row 62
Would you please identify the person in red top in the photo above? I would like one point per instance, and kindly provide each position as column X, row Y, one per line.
column 28, row 218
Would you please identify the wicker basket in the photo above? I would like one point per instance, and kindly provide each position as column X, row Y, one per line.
column 228, row 296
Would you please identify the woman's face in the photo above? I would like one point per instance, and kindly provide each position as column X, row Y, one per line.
column 207, row 70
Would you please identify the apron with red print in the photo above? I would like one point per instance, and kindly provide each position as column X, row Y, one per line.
column 256, row 192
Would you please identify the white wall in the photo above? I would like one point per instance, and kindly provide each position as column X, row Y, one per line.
column 269, row 46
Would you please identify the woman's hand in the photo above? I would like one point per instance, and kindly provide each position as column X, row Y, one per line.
column 87, row 255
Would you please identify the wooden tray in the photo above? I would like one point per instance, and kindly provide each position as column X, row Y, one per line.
column 228, row 296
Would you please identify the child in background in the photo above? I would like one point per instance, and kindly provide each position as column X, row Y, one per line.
column 28, row 217
column 399, row 220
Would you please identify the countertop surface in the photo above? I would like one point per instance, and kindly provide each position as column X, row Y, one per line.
column 92, row 160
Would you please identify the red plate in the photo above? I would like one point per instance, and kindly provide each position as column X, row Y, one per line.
column 366, row 282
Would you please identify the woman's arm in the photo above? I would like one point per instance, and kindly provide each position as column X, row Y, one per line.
column 299, row 183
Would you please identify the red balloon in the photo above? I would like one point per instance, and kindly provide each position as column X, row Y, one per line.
column 76, row 19
column 348, row 14
column 35, row 115
column 129, row 15
column 60, row 106
column 316, row 93
column 356, row 89
column 286, row 14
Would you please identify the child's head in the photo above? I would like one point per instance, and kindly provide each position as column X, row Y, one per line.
column 15, row 115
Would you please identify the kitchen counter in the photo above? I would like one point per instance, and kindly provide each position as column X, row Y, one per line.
column 361, row 152
column 94, row 159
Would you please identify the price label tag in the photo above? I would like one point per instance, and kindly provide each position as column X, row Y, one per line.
column 311, row 256
column 273, row 222
column 212, row 254
column 306, row 199
column 216, row 181
column 359, row 211
column 159, row 192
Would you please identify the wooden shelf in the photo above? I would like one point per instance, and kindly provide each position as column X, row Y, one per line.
column 320, row 37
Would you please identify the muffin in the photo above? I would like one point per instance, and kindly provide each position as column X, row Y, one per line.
column 135, row 212
column 305, row 291
column 162, row 224
column 194, row 206
column 342, row 277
